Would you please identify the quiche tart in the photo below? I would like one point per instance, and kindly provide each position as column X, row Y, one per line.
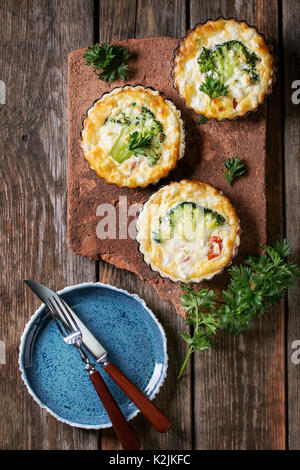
column 133, row 136
column 188, row 231
column 223, row 69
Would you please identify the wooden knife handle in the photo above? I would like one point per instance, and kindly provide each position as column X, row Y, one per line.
column 122, row 428
column 149, row 410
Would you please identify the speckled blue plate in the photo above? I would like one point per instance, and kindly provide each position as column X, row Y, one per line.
column 54, row 373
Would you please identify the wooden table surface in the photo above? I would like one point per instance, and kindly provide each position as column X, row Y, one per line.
column 244, row 394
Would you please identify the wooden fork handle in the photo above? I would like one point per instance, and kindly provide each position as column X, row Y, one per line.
column 149, row 410
column 122, row 428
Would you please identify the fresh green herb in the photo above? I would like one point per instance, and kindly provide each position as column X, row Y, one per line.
column 109, row 61
column 141, row 134
column 202, row 119
column 234, row 168
column 254, row 287
column 138, row 142
column 219, row 63
column 213, row 87
column 200, row 309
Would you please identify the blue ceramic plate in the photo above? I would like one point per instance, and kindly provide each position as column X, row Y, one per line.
column 54, row 373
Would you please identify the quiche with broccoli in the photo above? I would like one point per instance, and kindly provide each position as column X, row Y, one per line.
column 223, row 69
column 188, row 231
column 133, row 136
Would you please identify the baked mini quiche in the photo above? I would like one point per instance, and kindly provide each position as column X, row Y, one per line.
column 223, row 69
column 188, row 231
column 133, row 136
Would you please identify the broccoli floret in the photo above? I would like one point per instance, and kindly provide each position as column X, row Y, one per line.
column 187, row 215
column 206, row 60
column 147, row 114
column 213, row 218
column 241, row 55
column 153, row 156
column 149, row 121
column 222, row 60
column 138, row 126
column 122, row 119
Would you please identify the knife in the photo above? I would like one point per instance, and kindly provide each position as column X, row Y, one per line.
column 95, row 348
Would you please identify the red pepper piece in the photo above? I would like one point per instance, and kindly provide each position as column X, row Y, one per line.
column 212, row 244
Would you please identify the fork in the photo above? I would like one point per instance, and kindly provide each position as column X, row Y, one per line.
column 72, row 336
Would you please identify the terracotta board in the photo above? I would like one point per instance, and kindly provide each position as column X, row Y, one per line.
column 207, row 147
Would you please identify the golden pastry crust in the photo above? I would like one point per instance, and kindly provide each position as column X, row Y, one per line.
column 244, row 95
column 134, row 171
column 179, row 259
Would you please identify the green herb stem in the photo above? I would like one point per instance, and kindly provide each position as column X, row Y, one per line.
column 190, row 352
column 254, row 287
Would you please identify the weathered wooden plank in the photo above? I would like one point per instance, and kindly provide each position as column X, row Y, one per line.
column 155, row 18
column 35, row 39
column 160, row 18
column 116, row 20
column 291, row 39
column 239, row 386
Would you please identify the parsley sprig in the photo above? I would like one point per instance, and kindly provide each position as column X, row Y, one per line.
column 109, row 61
column 213, row 87
column 202, row 119
column 254, row 287
column 200, row 309
column 139, row 142
column 234, row 168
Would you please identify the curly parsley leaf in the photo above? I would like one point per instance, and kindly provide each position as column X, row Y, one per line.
column 254, row 287
column 213, row 87
column 202, row 119
column 139, row 142
column 109, row 61
column 234, row 168
column 200, row 309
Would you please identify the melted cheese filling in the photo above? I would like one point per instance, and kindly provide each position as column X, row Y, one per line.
column 188, row 245
column 189, row 254
column 239, row 84
column 101, row 132
column 244, row 94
